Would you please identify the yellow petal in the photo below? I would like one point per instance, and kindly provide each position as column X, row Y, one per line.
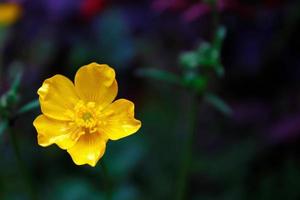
column 89, row 149
column 54, row 131
column 57, row 97
column 96, row 83
column 118, row 120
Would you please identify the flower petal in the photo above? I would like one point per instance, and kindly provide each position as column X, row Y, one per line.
column 57, row 97
column 54, row 131
column 89, row 149
column 118, row 120
column 96, row 83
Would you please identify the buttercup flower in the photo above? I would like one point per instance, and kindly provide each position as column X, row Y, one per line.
column 9, row 13
column 82, row 117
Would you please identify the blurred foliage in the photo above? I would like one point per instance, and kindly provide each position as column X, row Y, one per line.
column 196, row 65
column 218, row 103
column 207, row 55
column 234, row 157
column 11, row 98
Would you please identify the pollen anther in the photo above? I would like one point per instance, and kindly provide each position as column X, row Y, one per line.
column 87, row 116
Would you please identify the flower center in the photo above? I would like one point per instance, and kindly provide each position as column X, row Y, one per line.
column 87, row 116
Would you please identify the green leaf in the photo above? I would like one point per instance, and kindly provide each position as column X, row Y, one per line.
column 16, row 74
column 204, row 48
column 200, row 83
column 218, row 103
column 189, row 60
column 159, row 75
column 11, row 97
column 207, row 55
column 29, row 106
column 204, row 53
column 217, row 46
column 193, row 80
column 3, row 111
column 219, row 38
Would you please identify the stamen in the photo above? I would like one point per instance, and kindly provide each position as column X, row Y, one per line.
column 86, row 116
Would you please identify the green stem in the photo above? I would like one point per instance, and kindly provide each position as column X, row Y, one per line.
column 215, row 17
column 20, row 163
column 107, row 180
column 187, row 151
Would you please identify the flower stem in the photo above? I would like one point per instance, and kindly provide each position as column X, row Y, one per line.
column 215, row 17
column 20, row 163
column 107, row 180
column 187, row 151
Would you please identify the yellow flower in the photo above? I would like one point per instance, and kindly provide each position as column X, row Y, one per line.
column 82, row 117
column 9, row 13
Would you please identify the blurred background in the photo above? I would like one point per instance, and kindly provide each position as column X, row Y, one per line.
column 245, row 143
